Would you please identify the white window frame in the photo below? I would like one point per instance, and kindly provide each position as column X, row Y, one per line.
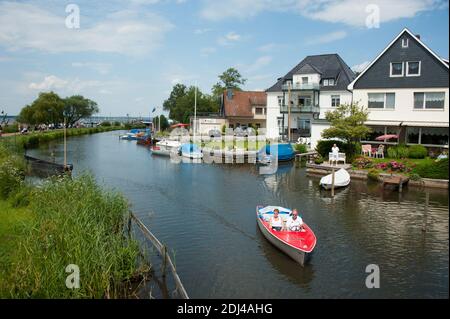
column 405, row 40
column 424, row 104
column 397, row 75
column 384, row 108
column 333, row 97
column 407, row 68
column 280, row 100
column 303, row 80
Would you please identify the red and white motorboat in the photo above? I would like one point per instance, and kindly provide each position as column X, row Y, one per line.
column 296, row 244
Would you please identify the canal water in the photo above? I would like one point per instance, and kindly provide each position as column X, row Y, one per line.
column 206, row 215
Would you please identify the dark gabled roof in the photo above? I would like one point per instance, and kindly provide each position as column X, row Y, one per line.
column 307, row 69
column 327, row 65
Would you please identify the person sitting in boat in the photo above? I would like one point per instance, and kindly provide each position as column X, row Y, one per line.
column 275, row 222
column 295, row 222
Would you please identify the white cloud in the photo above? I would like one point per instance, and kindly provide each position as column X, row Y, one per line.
column 202, row 31
column 74, row 85
column 229, row 38
column 50, row 82
column 350, row 12
column 102, row 68
column 26, row 26
column 360, row 67
column 326, row 38
column 205, row 52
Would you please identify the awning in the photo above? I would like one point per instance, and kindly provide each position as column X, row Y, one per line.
column 383, row 123
column 425, row 124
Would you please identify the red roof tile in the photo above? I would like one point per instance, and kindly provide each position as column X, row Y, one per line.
column 241, row 103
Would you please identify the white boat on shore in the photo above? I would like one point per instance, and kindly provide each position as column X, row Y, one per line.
column 191, row 151
column 165, row 147
column 341, row 179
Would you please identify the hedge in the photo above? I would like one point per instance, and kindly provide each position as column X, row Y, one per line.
column 432, row 169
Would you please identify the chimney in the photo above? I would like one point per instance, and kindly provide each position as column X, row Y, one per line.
column 230, row 94
column 418, row 36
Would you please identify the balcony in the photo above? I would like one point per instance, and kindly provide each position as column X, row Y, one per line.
column 301, row 109
column 302, row 87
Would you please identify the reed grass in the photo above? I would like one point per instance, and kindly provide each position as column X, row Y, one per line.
column 74, row 222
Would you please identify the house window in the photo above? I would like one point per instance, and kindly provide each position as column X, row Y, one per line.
column 429, row 100
column 335, row 100
column 381, row 101
column 396, row 69
column 413, row 68
column 436, row 136
column 280, row 101
column 305, row 80
column 304, row 127
column 304, row 101
column 259, row 111
column 328, row 82
column 405, row 42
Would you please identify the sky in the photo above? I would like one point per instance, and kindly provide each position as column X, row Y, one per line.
column 127, row 54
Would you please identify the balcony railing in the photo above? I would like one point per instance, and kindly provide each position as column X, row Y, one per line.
column 300, row 109
column 301, row 86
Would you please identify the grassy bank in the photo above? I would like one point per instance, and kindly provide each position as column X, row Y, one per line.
column 21, row 142
column 65, row 221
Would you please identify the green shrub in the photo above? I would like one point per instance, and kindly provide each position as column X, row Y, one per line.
column 432, row 169
column 398, row 152
column 10, row 129
column 12, row 172
column 324, row 147
column 117, row 123
column 373, row 175
column 22, row 197
column 417, row 151
column 414, row 177
column 301, row 148
column 105, row 123
column 318, row 160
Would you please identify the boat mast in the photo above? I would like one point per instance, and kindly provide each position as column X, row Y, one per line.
column 195, row 110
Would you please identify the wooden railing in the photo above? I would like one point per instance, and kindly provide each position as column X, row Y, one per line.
column 162, row 249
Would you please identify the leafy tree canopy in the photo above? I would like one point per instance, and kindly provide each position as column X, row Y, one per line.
column 347, row 123
column 161, row 123
column 49, row 108
column 181, row 103
column 231, row 78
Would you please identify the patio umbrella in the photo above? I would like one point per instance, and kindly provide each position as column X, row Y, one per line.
column 179, row 125
column 386, row 137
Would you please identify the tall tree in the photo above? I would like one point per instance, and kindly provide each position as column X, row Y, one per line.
column 47, row 109
column 181, row 103
column 347, row 123
column 77, row 107
column 161, row 122
column 231, row 78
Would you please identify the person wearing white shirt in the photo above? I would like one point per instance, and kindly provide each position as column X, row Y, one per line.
column 335, row 153
column 275, row 222
column 295, row 222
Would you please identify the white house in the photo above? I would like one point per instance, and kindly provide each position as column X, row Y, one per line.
column 406, row 90
column 316, row 85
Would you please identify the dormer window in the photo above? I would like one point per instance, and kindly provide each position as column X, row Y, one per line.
column 405, row 42
column 328, row 82
column 396, row 69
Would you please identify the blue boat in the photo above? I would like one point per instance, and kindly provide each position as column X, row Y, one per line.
column 285, row 153
column 191, row 151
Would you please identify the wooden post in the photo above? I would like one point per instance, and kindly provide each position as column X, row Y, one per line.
column 332, row 182
column 427, row 201
column 65, row 144
column 164, row 262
